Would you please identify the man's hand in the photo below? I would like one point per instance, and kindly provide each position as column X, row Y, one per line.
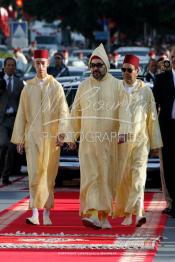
column 122, row 138
column 20, row 148
column 60, row 140
column 154, row 152
column 10, row 110
column 72, row 145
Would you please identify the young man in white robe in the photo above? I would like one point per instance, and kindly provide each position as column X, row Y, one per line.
column 40, row 121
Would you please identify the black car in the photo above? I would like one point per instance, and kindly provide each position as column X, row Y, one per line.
column 69, row 159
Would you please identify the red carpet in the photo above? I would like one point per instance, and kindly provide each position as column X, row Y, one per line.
column 69, row 239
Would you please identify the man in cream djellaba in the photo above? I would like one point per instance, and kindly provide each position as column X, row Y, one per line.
column 138, row 134
column 39, row 128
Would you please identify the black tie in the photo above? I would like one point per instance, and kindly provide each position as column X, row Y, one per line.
column 9, row 86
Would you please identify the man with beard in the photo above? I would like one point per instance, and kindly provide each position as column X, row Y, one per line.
column 94, row 119
column 138, row 133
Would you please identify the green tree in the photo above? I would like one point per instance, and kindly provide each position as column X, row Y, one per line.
column 85, row 15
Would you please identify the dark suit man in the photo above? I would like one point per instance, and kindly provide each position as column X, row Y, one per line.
column 164, row 92
column 9, row 100
column 152, row 69
column 60, row 68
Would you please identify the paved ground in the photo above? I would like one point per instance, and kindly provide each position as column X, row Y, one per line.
column 7, row 198
column 166, row 251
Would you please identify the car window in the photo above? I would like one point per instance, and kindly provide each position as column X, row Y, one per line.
column 46, row 40
column 137, row 53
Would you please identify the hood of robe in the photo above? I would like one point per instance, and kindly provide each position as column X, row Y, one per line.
column 101, row 53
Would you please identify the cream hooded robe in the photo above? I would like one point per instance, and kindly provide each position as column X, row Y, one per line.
column 94, row 118
column 138, row 120
column 41, row 115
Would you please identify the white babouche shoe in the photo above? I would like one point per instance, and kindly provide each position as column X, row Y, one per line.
column 91, row 222
column 32, row 220
column 105, row 224
column 47, row 221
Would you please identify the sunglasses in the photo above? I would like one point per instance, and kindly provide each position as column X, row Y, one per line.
column 58, row 58
column 129, row 70
column 98, row 65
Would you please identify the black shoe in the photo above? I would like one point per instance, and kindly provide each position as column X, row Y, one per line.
column 141, row 222
column 167, row 210
column 6, row 182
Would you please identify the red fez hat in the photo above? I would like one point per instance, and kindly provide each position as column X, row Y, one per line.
column 151, row 53
column 17, row 49
column 41, row 54
column 131, row 59
column 95, row 57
